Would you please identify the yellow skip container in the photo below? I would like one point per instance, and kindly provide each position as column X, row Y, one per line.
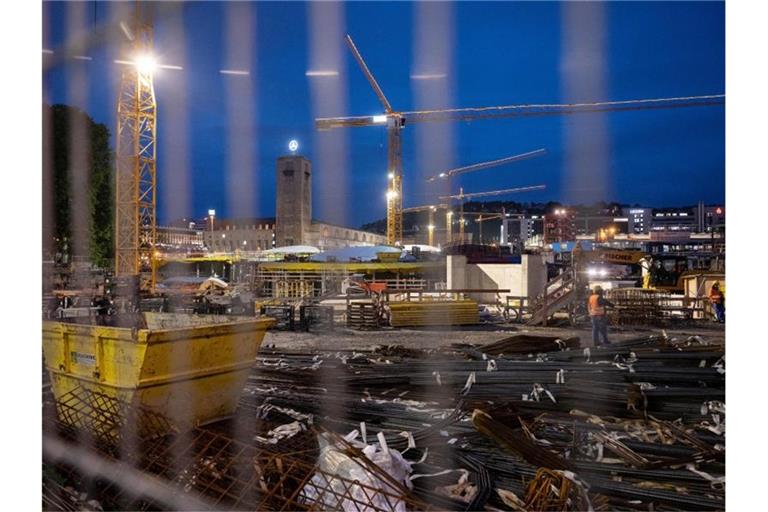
column 191, row 369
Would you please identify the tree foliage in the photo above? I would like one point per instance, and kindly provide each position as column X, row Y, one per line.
column 100, row 184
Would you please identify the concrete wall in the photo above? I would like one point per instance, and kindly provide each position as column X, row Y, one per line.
column 294, row 200
column 525, row 279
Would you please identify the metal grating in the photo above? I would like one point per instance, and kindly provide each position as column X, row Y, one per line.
column 212, row 465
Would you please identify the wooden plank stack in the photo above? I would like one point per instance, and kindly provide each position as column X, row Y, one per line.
column 433, row 313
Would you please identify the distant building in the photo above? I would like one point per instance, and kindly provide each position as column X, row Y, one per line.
column 710, row 218
column 294, row 224
column 638, row 219
column 592, row 224
column 244, row 234
column 559, row 226
column 519, row 228
column 673, row 219
column 180, row 239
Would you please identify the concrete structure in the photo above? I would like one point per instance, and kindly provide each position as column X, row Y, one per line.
column 294, row 200
column 524, row 279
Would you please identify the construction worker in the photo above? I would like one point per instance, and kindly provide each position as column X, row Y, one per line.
column 717, row 299
column 596, row 305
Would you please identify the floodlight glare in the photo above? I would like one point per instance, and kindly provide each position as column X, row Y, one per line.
column 146, row 64
column 380, row 119
column 293, row 145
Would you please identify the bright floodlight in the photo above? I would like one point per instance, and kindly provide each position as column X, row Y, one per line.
column 431, row 227
column 391, row 175
column 391, row 195
column 146, row 64
column 211, row 212
column 380, row 119
column 293, row 145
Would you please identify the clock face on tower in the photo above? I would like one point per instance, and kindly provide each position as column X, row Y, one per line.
column 293, row 145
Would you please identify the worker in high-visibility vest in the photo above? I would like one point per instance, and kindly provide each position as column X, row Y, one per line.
column 717, row 299
column 596, row 305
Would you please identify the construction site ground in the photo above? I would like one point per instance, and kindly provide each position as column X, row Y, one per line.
column 342, row 338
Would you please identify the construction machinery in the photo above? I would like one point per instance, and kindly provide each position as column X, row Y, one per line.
column 135, row 158
column 395, row 121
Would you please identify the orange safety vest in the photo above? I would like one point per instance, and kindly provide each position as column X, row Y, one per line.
column 594, row 308
column 716, row 296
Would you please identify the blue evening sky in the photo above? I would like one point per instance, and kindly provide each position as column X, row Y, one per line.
column 503, row 53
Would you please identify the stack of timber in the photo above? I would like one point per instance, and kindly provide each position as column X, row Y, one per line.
column 432, row 313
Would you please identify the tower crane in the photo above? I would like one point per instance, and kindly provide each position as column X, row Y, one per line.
column 461, row 196
column 395, row 121
column 136, row 164
column 447, row 175
column 431, row 208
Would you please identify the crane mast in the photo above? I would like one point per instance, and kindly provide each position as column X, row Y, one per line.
column 135, row 160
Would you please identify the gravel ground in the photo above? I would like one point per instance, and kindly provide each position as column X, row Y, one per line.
column 347, row 339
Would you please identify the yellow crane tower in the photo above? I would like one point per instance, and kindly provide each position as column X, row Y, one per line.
column 395, row 121
column 135, row 160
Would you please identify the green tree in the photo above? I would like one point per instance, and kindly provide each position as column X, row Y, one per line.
column 100, row 182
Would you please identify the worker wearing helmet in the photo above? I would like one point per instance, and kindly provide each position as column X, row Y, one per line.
column 717, row 299
column 596, row 305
